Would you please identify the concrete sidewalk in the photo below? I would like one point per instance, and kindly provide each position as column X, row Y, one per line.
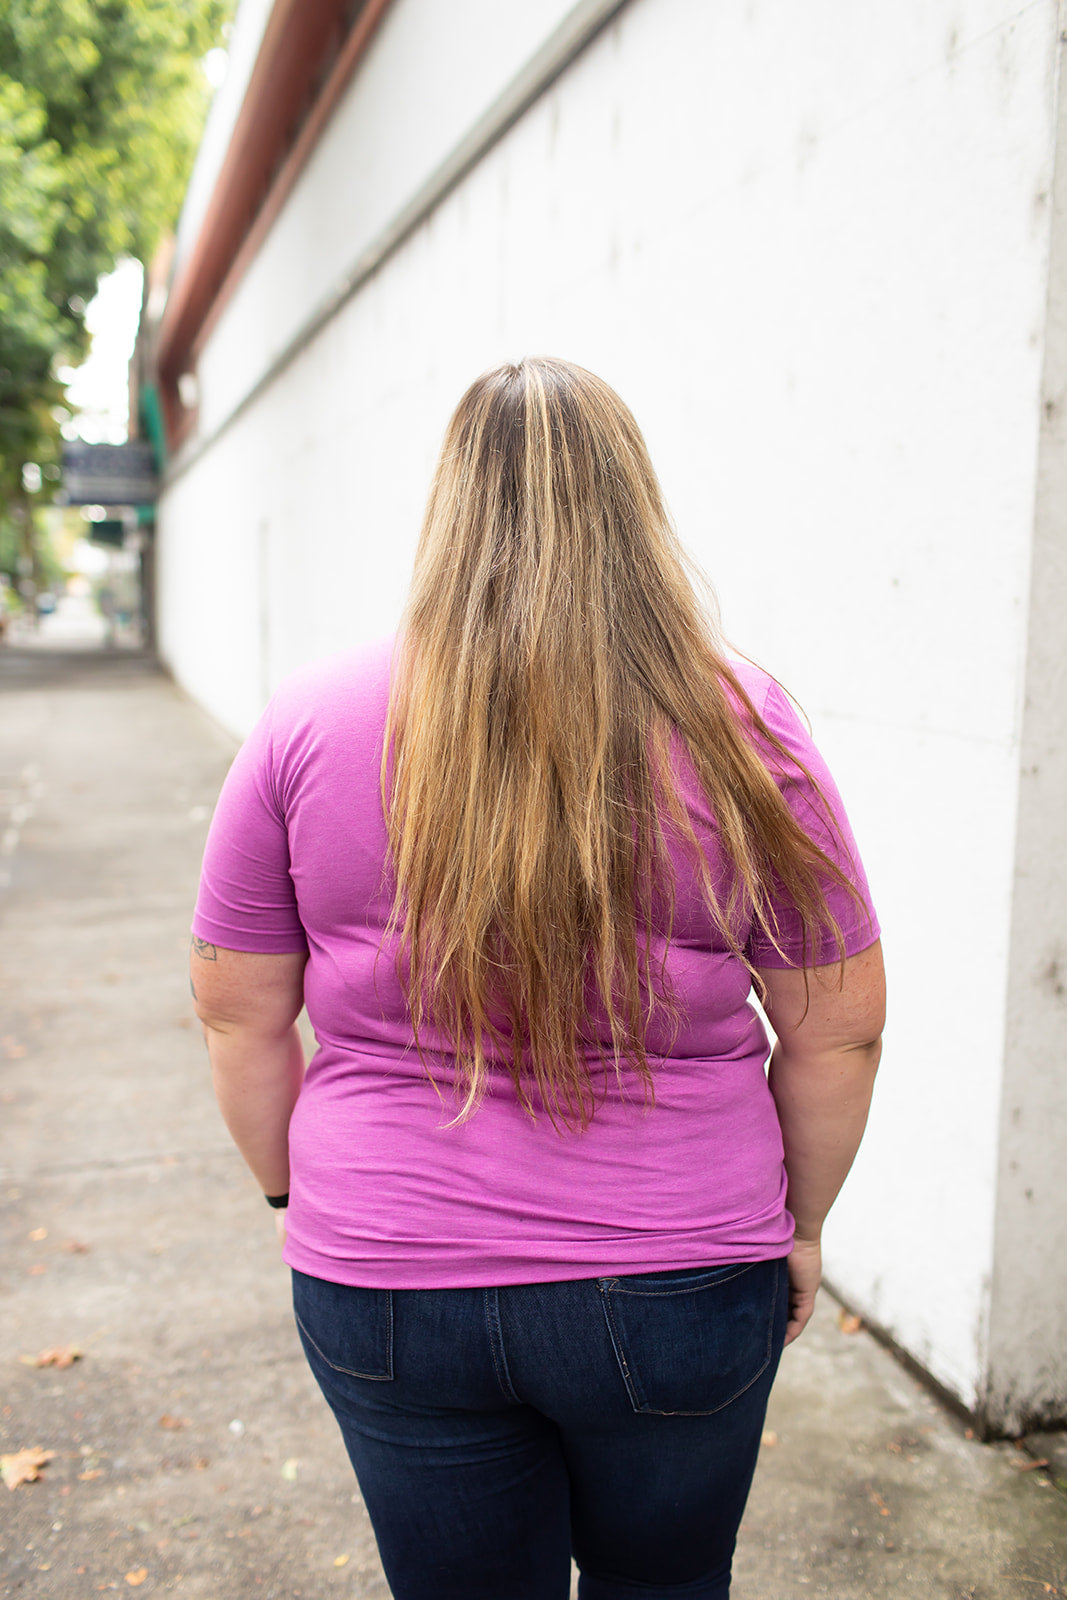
column 191, row 1452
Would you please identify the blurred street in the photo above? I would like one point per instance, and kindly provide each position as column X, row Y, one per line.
column 188, row 1450
column 75, row 624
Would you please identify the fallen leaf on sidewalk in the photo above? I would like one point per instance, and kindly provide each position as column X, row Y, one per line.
column 167, row 1421
column 769, row 1439
column 1028, row 1466
column 340, row 1561
column 848, row 1322
column 24, row 1466
column 75, row 1247
column 289, row 1469
column 38, row 1234
column 883, row 1509
column 38, row 1270
column 64, row 1355
column 12, row 1049
column 136, row 1578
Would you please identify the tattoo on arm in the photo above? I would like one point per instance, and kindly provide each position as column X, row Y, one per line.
column 206, row 952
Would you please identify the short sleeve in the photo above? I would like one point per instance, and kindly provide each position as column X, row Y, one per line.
column 809, row 791
column 247, row 900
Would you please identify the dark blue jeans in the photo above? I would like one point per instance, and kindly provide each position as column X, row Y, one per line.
column 495, row 1431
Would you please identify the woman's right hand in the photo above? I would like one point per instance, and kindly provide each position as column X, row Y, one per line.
column 805, row 1275
column 829, row 1022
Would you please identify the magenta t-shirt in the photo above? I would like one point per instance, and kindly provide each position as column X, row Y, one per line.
column 385, row 1191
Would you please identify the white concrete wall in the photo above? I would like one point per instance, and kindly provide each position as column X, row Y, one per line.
column 429, row 73
column 809, row 245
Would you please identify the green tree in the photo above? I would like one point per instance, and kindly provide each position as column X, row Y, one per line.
column 101, row 106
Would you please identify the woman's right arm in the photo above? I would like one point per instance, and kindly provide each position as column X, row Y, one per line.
column 821, row 1076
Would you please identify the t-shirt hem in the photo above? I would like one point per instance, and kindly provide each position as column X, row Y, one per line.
column 855, row 941
column 256, row 944
column 507, row 1270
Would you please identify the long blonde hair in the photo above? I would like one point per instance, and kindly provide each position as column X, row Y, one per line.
column 552, row 650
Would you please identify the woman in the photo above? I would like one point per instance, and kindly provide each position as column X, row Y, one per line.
column 549, row 1223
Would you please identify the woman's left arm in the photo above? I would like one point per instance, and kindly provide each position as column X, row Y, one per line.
column 248, row 1005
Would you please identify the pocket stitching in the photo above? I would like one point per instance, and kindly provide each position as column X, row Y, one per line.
column 607, row 1286
column 350, row 1372
column 620, row 1285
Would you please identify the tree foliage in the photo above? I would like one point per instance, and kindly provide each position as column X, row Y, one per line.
column 101, row 106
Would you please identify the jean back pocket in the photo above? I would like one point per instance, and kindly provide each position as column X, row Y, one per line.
column 690, row 1342
column 348, row 1328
